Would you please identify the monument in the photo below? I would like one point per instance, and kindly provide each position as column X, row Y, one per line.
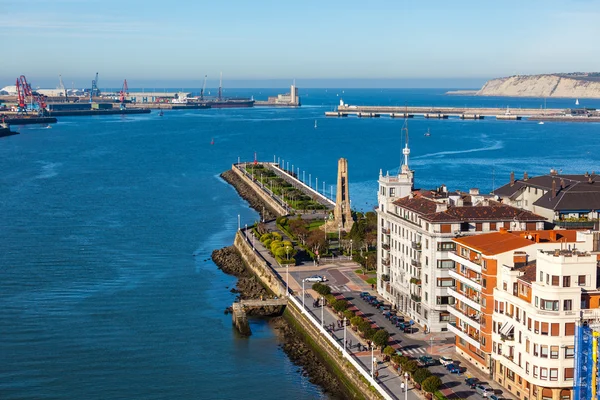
column 342, row 212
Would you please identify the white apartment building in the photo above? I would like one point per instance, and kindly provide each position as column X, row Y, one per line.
column 415, row 232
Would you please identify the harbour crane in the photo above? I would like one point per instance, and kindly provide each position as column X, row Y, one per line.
column 203, row 88
column 95, row 92
column 61, row 86
column 124, row 92
column 24, row 91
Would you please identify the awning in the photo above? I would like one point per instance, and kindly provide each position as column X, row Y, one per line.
column 507, row 328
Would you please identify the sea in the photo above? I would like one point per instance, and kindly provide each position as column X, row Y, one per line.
column 107, row 290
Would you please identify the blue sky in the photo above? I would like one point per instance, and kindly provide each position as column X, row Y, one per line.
column 264, row 43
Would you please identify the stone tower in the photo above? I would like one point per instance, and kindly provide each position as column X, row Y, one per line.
column 342, row 212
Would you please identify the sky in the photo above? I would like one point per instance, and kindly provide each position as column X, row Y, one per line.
column 326, row 43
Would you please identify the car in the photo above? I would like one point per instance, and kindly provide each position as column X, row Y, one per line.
column 485, row 391
column 400, row 318
column 426, row 361
column 494, row 397
column 364, row 294
column 453, row 368
column 315, row 278
column 471, row 382
column 407, row 329
column 446, row 360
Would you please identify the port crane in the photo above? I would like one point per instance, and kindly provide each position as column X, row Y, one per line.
column 95, row 92
column 24, row 91
column 203, row 88
column 124, row 92
column 61, row 86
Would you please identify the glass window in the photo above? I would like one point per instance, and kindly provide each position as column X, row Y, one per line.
column 448, row 264
column 567, row 305
column 566, row 281
column 543, row 373
column 553, row 374
column 570, row 352
column 554, row 352
column 581, row 280
column 555, row 280
column 544, row 351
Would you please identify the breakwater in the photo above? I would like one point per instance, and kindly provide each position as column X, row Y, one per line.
column 257, row 200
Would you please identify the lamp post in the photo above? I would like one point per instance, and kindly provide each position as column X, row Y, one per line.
column 324, row 189
column 309, row 181
column 253, row 242
column 304, row 177
column 372, row 360
column 238, row 222
column 351, row 249
column 325, row 228
column 322, row 306
column 287, row 280
column 345, row 336
column 339, row 236
column 331, row 192
column 406, row 386
column 303, row 295
column 316, row 184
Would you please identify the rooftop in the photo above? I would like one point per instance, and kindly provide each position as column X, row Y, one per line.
column 571, row 192
column 493, row 243
column 434, row 206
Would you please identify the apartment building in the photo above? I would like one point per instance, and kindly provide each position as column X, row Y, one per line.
column 568, row 201
column 415, row 232
column 519, row 297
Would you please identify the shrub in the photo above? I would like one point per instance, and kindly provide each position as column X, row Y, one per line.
column 369, row 333
column 321, row 288
column 349, row 314
column 267, row 243
column 287, row 243
column 281, row 220
column 355, row 321
column 280, row 252
column 330, row 299
column 276, row 235
column 389, row 350
column 420, row 375
column 381, row 338
column 266, row 236
column 410, row 366
column 402, row 360
column 363, row 326
column 431, row 384
column 340, row 305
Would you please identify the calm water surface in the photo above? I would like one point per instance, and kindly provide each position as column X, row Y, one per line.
column 106, row 287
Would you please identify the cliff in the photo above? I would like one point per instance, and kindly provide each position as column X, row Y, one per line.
column 553, row 85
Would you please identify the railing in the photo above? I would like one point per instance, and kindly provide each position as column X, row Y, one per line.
column 386, row 262
column 415, row 263
column 415, row 297
column 575, row 224
column 416, row 245
column 385, row 246
column 385, row 231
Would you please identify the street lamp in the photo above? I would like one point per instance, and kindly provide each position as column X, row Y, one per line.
column 345, row 348
column 351, row 249
column 324, row 194
column 322, row 305
column 303, row 295
column 372, row 360
column 309, row 181
column 316, row 184
column 238, row 222
column 406, row 386
column 287, row 280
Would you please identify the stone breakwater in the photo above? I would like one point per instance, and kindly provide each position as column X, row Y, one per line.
column 248, row 286
column 248, row 194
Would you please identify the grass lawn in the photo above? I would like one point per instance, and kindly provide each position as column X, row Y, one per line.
column 358, row 271
column 371, row 281
column 315, row 224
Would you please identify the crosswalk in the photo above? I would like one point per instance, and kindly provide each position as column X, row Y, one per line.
column 415, row 351
column 339, row 288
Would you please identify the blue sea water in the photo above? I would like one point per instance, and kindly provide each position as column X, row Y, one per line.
column 107, row 225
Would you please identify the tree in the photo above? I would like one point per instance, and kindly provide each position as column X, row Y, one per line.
column 411, row 366
column 298, row 228
column 381, row 338
column 316, row 242
column 340, row 305
column 355, row 321
column 363, row 326
column 431, row 384
column 420, row 375
column 349, row 314
column 389, row 351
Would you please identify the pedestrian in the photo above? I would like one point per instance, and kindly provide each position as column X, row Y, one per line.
column 350, row 343
column 372, row 286
column 376, row 374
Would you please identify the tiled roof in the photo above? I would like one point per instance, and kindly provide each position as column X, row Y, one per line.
column 577, row 192
column 529, row 272
column 493, row 243
column 495, row 211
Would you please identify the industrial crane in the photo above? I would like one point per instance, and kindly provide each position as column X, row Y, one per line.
column 95, row 92
column 124, row 92
column 62, row 87
column 203, row 88
column 24, row 91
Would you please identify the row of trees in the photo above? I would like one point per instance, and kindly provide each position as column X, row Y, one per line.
column 421, row 376
column 283, row 250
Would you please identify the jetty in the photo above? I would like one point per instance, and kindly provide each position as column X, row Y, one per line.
column 265, row 307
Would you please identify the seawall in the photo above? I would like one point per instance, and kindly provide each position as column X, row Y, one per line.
column 243, row 185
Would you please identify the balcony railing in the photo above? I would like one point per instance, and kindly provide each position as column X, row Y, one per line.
column 472, row 320
column 464, row 261
column 474, row 302
column 385, row 231
column 575, row 224
column 510, row 337
column 415, row 281
column 416, row 245
column 385, row 246
column 415, row 263
column 471, row 282
column 464, row 335
column 386, row 262
column 415, row 297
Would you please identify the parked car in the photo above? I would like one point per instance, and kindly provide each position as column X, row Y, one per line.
column 453, row 368
column 471, row 382
column 494, row 397
column 446, row 360
column 364, row 294
column 400, row 318
column 485, row 391
column 407, row 329
column 426, row 361
column 315, row 278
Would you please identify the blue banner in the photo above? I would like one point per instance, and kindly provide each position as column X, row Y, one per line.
column 582, row 385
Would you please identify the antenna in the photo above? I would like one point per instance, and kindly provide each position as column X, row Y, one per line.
column 493, row 179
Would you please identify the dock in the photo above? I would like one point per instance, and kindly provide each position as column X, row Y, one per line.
column 5, row 130
column 28, row 120
column 239, row 316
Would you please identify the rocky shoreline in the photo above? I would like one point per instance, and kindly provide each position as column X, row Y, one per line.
column 248, row 194
column 299, row 352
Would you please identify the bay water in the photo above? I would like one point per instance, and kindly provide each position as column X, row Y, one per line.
column 107, row 289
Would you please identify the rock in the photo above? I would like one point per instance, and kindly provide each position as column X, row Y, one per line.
column 230, row 262
column 249, row 194
column 547, row 85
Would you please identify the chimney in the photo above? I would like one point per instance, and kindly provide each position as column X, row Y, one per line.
column 512, row 178
column 441, row 207
column 562, row 183
column 525, row 176
column 519, row 258
column 553, row 188
column 552, row 235
column 474, row 191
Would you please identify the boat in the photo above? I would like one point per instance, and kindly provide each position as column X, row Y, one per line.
column 212, row 141
column 315, row 124
column 541, row 123
column 231, row 102
column 427, row 133
column 576, row 102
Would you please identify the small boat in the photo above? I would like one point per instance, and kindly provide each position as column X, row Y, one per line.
column 315, row 124
column 160, row 114
column 427, row 134
column 576, row 102
column 541, row 123
column 212, row 141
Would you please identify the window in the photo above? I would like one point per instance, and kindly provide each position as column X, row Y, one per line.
column 527, row 368
column 566, row 281
column 553, row 374
column 543, row 373
column 569, row 373
column 551, row 305
column 555, row 329
column 484, row 283
column 444, row 317
column 555, row 280
column 445, row 282
column 478, row 226
column 426, row 243
column 569, row 351
column 541, row 276
column 464, row 226
column 537, row 301
column 446, row 264
column 547, row 279
column 535, row 371
column 492, row 226
column 544, row 351
column 446, row 228
column 567, row 305
column 545, row 328
column 510, row 374
column 446, row 246
column 554, row 352
column 440, row 300
column 581, row 280
column 570, row 329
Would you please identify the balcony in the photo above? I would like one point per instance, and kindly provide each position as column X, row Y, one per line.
column 575, row 224
column 470, row 320
column 465, row 280
column 386, row 262
column 463, row 261
column 415, row 263
column 386, row 246
column 415, row 281
column 473, row 303
column 385, row 231
column 416, row 246
column 458, row 332
column 415, row 297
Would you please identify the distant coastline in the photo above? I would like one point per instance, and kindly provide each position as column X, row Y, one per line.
column 462, row 92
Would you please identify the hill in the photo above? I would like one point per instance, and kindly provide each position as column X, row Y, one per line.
column 569, row 85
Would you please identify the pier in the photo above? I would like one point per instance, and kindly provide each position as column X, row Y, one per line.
column 239, row 315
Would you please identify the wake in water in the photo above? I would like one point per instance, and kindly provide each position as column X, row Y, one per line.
column 496, row 146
